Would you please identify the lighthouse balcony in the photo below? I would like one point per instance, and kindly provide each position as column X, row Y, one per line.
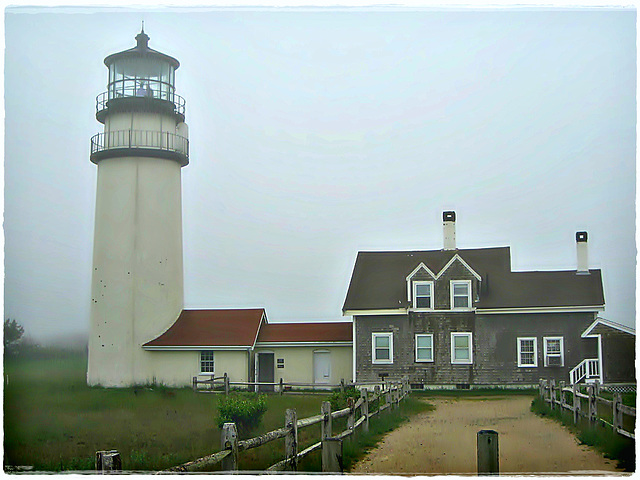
column 128, row 98
column 140, row 143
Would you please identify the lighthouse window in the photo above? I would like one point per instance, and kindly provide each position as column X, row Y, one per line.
column 206, row 361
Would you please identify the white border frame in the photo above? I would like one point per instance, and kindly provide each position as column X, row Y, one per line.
column 413, row 299
column 544, row 342
column 469, row 296
column 535, row 352
column 416, row 347
column 453, row 350
column 373, row 348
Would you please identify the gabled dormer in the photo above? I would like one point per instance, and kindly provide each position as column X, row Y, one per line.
column 455, row 287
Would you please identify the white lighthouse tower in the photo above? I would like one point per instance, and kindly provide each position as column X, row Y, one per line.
column 137, row 281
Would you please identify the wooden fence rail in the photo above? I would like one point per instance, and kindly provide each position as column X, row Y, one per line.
column 225, row 384
column 390, row 396
column 556, row 395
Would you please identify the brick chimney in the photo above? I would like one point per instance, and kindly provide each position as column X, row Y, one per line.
column 449, row 230
column 582, row 253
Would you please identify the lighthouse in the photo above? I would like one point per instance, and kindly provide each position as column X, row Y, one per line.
column 137, row 274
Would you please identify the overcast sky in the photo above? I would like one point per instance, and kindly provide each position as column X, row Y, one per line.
column 318, row 133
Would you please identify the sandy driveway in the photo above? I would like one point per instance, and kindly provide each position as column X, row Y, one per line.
column 444, row 441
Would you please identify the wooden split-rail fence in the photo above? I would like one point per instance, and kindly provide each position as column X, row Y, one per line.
column 224, row 384
column 586, row 405
column 358, row 416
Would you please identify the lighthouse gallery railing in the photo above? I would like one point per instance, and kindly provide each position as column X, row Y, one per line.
column 147, row 139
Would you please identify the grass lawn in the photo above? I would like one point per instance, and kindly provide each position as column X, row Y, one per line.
column 54, row 422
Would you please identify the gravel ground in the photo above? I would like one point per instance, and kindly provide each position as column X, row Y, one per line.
column 444, row 442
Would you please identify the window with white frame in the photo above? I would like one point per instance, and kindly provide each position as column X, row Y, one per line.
column 527, row 352
column 461, row 348
column 460, row 294
column 423, row 295
column 553, row 352
column 382, row 347
column 206, row 361
column 424, row 347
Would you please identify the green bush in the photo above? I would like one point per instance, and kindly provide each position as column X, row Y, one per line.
column 245, row 410
column 339, row 399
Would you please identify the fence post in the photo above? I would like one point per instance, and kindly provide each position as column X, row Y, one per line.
column 351, row 417
column 195, row 383
column 576, row 403
column 562, row 403
column 387, row 396
column 365, row 409
column 593, row 408
column 229, row 441
column 332, row 455
column 281, row 386
column 226, row 384
column 617, row 413
column 108, row 460
column 342, row 384
column 376, row 392
column 325, row 410
column 552, row 392
column 488, row 459
column 291, row 440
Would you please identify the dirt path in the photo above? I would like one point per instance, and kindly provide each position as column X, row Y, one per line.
column 444, row 441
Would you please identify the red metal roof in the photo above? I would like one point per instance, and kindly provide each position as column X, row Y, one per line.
column 214, row 328
column 306, row 332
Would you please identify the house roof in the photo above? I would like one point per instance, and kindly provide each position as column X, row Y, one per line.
column 212, row 328
column 603, row 326
column 378, row 281
column 306, row 332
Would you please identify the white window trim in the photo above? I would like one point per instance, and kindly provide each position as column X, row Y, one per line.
column 462, row 362
column 213, row 359
column 415, row 285
column 373, row 348
column 416, row 340
column 535, row 352
column 469, row 296
column 544, row 340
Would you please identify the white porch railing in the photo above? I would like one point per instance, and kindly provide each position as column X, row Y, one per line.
column 588, row 369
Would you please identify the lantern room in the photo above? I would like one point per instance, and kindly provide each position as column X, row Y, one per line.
column 140, row 72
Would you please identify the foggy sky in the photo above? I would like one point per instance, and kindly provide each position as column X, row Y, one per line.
column 316, row 133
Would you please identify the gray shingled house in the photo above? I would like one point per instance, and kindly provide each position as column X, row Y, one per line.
column 462, row 317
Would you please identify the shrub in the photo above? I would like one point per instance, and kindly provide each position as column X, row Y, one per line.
column 245, row 410
column 339, row 399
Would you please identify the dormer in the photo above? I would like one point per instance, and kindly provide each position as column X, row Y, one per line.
column 456, row 287
column 420, row 288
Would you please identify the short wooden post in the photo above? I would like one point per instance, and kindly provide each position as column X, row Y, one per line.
column 365, row 409
column 352, row 414
column 561, row 389
column 226, row 384
column 332, row 455
column 576, row 403
column 108, row 461
column 541, row 388
column 387, row 395
column 617, row 412
column 593, row 407
column 195, row 383
column 325, row 431
column 342, row 384
column 552, row 391
column 281, row 386
column 229, row 441
column 488, row 456
column 376, row 392
column 291, row 440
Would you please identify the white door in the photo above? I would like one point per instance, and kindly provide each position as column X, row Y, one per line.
column 322, row 367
